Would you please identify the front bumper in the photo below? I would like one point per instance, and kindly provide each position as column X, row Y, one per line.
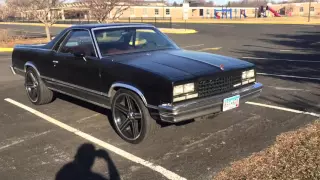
column 200, row 107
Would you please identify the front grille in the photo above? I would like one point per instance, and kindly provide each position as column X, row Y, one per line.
column 218, row 85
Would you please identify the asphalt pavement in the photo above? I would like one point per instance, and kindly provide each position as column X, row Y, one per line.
column 288, row 64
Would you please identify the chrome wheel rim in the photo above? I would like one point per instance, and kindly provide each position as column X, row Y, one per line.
column 127, row 117
column 31, row 84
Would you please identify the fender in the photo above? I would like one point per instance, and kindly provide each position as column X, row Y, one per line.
column 31, row 64
column 112, row 91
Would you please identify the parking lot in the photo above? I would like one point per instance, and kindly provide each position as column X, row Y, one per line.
column 35, row 146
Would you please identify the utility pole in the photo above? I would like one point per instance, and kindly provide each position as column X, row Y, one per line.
column 309, row 10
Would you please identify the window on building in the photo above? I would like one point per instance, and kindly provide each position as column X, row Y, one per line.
column 201, row 12
column 208, row 11
column 167, row 11
column 301, row 9
column 156, row 11
column 312, row 9
column 145, row 11
column 131, row 11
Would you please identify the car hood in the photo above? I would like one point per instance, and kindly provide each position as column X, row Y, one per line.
column 182, row 64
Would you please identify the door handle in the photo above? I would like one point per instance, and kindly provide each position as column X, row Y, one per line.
column 55, row 63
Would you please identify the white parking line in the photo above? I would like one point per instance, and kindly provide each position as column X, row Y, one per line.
column 210, row 49
column 284, row 109
column 196, row 45
column 276, row 59
column 289, row 76
column 168, row 174
column 286, row 50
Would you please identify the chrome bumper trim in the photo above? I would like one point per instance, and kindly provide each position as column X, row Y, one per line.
column 12, row 70
column 199, row 107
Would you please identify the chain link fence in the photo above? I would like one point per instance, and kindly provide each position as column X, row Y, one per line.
column 161, row 22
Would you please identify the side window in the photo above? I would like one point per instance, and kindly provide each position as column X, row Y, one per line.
column 78, row 41
column 111, row 36
column 148, row 38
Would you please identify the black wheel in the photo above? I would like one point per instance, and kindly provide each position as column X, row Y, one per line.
column 37, row 91
column 131, row 118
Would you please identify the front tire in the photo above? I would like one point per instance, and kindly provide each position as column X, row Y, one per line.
column 37, row 91
column 131, row 118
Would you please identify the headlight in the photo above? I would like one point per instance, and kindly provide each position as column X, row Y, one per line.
column 183, row 92
column 250, row 74
column 244, row 75
column 181, row 89
column 248, row 77
column 188, row 87
column 177, row 90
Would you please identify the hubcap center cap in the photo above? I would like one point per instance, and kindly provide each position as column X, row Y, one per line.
column 130, row 115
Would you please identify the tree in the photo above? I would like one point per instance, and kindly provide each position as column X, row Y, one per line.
column 175, row 4
column 106, row 10
column 5, row 11
column 42, row 10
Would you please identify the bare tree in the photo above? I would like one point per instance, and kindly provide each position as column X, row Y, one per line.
column 246, row 3
column 42, row 10
column 107, row 10
column 6, row 11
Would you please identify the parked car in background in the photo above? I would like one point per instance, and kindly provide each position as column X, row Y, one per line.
column 135, row 71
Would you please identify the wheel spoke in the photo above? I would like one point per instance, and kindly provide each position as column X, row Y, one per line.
column 33, row 78
column 124, row 124
column 31, row 85
column 137, row 116
column 135, row 128
column 129, row 103
column 122, row 109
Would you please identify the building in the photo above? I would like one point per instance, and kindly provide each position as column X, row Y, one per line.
column 298, row 9
column 159, row 9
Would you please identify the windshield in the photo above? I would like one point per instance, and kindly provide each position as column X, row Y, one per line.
column 129, row 40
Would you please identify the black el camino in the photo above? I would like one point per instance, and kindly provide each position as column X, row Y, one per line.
column 135, row 71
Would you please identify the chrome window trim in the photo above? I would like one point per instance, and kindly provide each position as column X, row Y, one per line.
column 96, row 43
column 54, row 45
column 113, row 27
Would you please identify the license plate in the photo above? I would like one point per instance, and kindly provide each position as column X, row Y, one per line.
column 231, row 102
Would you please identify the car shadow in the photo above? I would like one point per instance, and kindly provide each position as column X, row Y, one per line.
column 80, row 167
column 108, row 112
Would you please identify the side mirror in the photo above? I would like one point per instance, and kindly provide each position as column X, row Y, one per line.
column 79, row 54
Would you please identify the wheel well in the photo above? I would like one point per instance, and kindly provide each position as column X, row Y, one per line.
column 115, row 89
column 28, row 65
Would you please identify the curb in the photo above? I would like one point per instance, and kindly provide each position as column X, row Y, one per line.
column 164, row 30
column 6, row 49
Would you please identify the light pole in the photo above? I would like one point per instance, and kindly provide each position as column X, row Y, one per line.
column 309, row 10
column 163, row 9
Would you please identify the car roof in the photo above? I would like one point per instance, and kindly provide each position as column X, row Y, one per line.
column 90, row 26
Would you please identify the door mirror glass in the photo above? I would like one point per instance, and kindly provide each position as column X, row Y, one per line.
column 79, row 54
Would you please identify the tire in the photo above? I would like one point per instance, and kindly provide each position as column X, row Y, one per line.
column 44, row 95
column 120, row 117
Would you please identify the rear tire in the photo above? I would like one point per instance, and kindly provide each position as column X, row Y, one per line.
column 37, row 91
column 132, row 123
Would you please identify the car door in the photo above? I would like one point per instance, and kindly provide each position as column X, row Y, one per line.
column 76, row 65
